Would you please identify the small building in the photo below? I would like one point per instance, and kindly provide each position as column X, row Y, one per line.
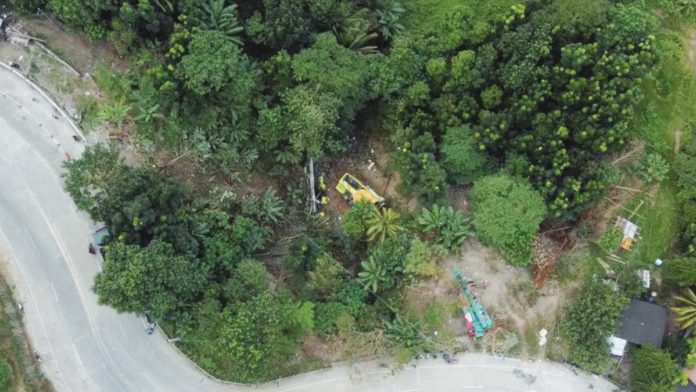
column 689, row 387
column 630, row 232
column 643, row 323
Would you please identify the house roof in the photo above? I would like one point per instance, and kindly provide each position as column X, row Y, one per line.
column 643, row 322
column 690, row 387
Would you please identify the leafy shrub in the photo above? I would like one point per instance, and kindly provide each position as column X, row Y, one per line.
column 326, row 277
column 6, row 376
column 303, row 255
column 415, row 160
column 326, row 315
column 653, row 370
column 610, row 240
column 28, row 6
column 353, row 296
column 448, row 227
column 630, row 284
column 653, row 168
column 588, row 320
column 384, row 266
column 355, row 221
column 461, row 157
column 407, row 334
column 685, row 169
column 506, row 214
column 420, row 262
column 680, row 272
column 249, row 279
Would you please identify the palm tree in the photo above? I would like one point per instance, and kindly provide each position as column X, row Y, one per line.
column 374, row 275
column 434, row 220
column 406, row 333
column 148, row 114
column 388, row 20
column 272, row 207
column 355, row 33
column 223, row 18
column 686, row 312
column 382, row 224
column 115, row 113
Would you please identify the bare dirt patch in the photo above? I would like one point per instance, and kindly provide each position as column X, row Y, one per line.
column 378, row 176
column 518, row 309
column 74, row 48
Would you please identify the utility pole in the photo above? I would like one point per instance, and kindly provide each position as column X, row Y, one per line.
column 311, row 186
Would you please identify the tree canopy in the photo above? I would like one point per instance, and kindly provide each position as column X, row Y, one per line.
column 506, row 214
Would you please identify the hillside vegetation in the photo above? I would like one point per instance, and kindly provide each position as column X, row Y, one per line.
column 522, row 104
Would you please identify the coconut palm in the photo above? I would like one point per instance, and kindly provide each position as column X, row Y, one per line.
column 685, row 313
column 223, row 18
column 382, row 224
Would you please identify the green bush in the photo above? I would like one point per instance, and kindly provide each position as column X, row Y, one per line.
column 653, row 370
column 355, row 221
column 506, row 214
column 416, row 162
column 610, row 240
column 420, row 261
column 326, row 277
column 685, row 169
column 653, row 168
column 28, row 6
column 461, row 158
column 588, row 321
column 6, row 376
column 326, row 315
column 680, row 272
column 449, row 228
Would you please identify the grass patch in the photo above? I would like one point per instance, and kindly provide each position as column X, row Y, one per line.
column 577, row 266
column 670, row 96
column 670, row 100
column 424, row 16
column 658, row 220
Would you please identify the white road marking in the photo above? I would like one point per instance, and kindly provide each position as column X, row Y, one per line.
column 123, row 331
column 77, row 355
column 55, row 293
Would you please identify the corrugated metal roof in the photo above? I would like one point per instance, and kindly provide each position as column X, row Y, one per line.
column 643, row 322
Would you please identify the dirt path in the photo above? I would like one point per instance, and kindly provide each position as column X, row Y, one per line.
column 691, row 47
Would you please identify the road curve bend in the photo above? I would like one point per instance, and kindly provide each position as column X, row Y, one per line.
column 88, row 347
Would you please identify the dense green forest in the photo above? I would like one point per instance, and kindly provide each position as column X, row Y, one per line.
column 521, row 102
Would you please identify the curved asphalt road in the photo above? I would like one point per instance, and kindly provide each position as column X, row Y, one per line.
column 88, row 347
